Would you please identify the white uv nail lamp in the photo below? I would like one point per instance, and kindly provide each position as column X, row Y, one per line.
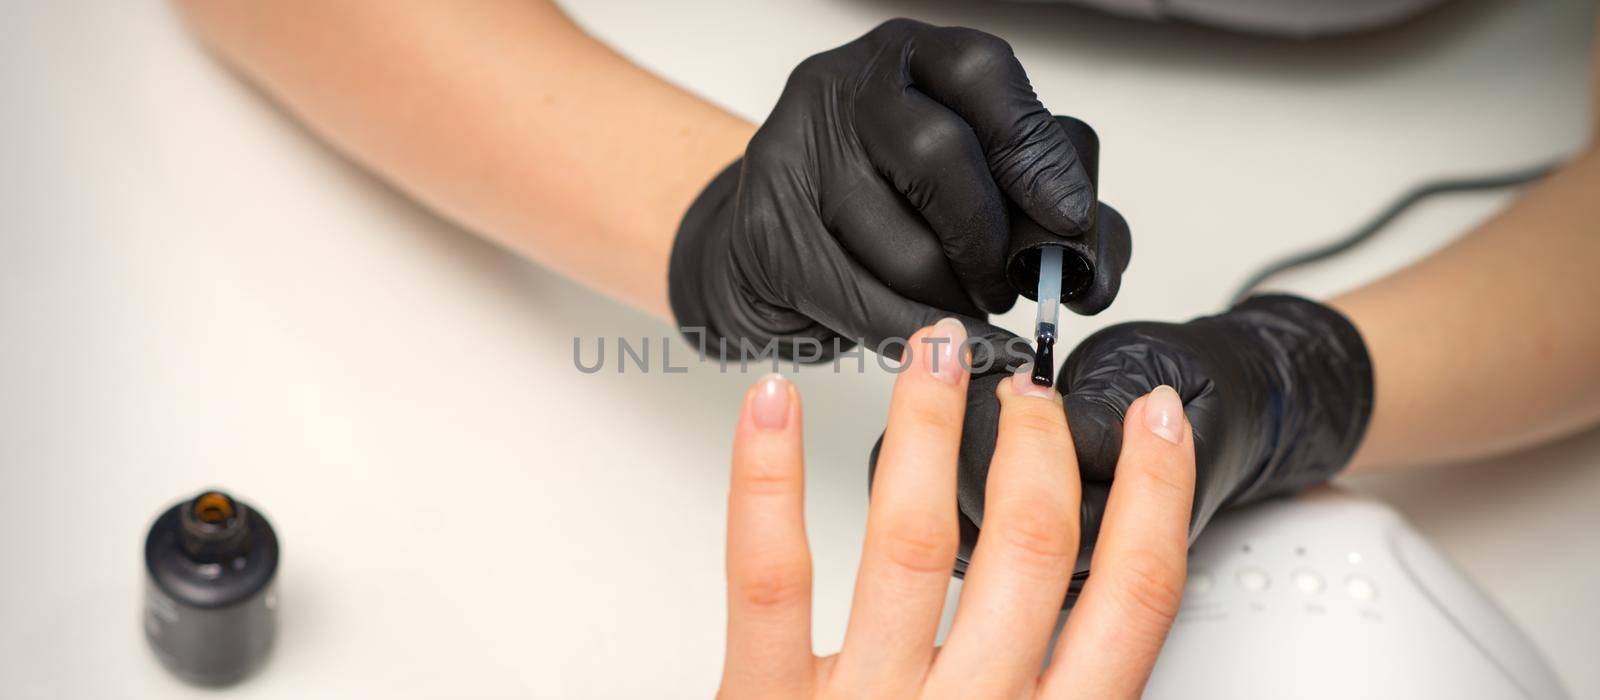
column 1329, row 595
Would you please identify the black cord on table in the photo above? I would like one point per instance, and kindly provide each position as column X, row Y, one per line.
column 1394, row 210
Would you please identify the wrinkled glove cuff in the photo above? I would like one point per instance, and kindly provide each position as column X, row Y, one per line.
column 1321, row 373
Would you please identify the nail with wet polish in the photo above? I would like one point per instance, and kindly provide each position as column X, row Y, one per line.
column 769, row 407
column 1163, row 414
column 1022, row 383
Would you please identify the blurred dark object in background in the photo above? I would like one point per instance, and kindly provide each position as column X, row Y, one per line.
column 1293, row 18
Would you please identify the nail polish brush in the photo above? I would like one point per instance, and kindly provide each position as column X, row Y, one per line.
column 1044, row 365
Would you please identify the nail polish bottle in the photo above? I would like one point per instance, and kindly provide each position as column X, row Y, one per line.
column 210, row 606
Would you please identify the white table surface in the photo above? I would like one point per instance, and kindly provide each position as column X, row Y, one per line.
column 194, row 292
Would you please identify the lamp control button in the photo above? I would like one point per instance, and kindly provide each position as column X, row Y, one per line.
column 1254, row 579
column 1308, row 582
column 1360, row 588
column 1199, row 582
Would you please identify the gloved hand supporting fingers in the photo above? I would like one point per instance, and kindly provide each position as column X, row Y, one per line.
column 1097, row 432
column 979, row 78
column 1100, row 380
column 935, row 160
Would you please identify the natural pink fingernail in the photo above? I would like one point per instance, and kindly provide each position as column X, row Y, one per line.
column 943, row 349
column 1163, row 414
column 1022, row 383
column 769, row 408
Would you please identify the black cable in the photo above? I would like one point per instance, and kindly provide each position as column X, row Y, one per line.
column 1377, row 223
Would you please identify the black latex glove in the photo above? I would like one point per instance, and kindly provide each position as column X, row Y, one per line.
column 874, row 200
column 1278, row 391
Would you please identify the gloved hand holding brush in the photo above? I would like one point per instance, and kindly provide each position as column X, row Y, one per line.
column 878, row 197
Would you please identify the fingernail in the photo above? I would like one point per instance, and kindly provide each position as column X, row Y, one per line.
column 1022, row 383
column 942, row 347
column 1163, row 414
column 769, row 408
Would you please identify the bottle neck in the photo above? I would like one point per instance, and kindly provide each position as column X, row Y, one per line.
column 214, row 527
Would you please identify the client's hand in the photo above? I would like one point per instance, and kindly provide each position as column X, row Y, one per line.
column 1018, row 576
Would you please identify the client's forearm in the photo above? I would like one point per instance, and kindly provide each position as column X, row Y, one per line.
column 502, row 115
column 1493, row 343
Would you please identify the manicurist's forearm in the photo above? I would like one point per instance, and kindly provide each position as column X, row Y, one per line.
column 502, row 115
column 1493, row 343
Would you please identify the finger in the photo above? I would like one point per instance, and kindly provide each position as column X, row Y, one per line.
column 978, row 77
column 969, row 478
column 1025, row 556
column 1093, row 428
column 980, row 428
column 911, row 524
column 1120, row 622
column 935, row 160
column 885, row 233
column 768, row 560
